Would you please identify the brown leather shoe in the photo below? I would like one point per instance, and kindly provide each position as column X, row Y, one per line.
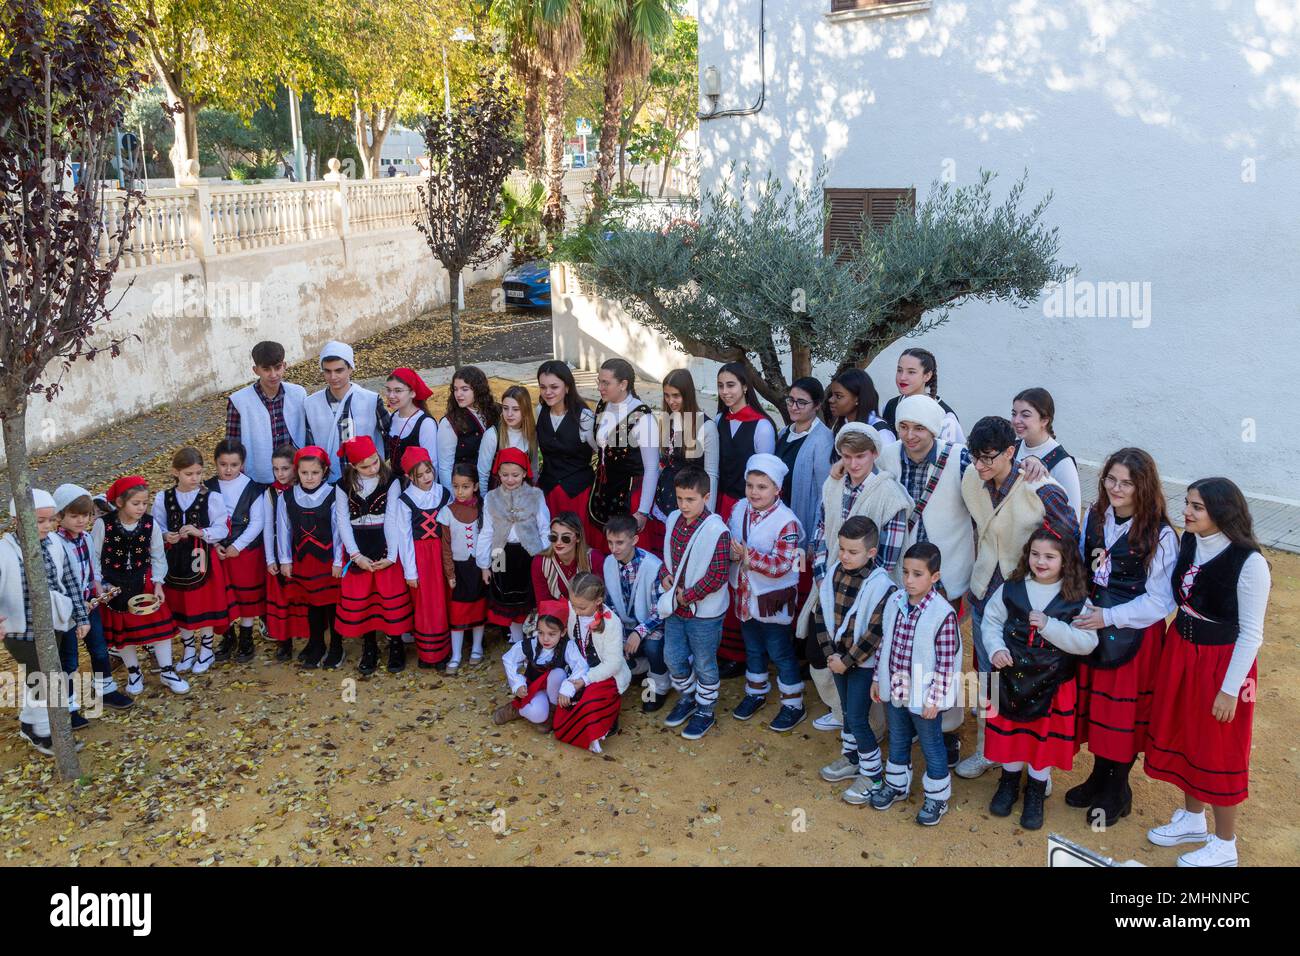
column 504, row 714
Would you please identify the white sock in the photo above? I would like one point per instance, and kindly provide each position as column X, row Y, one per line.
column 791, row 695
column 245, row 622
column 1044, row 774
column 189, row 643
column 457, row 645
column 129, row 657
column 476, row 649
column 162, row 653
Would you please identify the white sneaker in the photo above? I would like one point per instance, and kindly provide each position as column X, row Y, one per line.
column 1216, row 852
column 134, row 681
column 1183, row 828
column 173, row 681
column 860, row 791
column 186, row 661
column 827, row 721
column 973, row 766
column 842, row 769
column 201, row 663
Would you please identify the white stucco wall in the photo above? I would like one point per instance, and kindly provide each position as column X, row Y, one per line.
column 1168, row 133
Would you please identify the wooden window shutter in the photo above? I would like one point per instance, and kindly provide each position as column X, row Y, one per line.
column 847, row 208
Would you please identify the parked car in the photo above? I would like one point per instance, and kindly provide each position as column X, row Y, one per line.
column 528, row 285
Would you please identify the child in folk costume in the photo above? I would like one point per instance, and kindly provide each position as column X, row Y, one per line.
column 589, row 703
column 517, row 428
column 565, row 426
column 409, row 425
column 75, row 513
column 462, row 523
column 627, row 448
column 537, row 667
column 241, row 551
column 694, row 599
column 373, row 596
column 1129, row 549
column 765, row 563
column 193, row 520
column 130, row 554
column 1034, row 649
column 416, row 517
column 515, row 525
column 311, row 554
column 1032, row 412
column 689, row 438
column 471, row 413
column 845, row 615
column 917, row 679
column 633, row 590
column 285, row 620
column 1204, row 707
column 566, row 558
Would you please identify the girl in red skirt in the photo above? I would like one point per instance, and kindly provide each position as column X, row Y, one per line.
column 311, row 557
column 130, row 554
column 1026, row 630
column 564, row 441
column 589, row 704
column 1207, row 686
column 241, row 551
column 417, row 529
column 1129, row 548
column 193, row 521
column 688, row 437
column 568, row 556
column 626, row 438
column 538, row 666
column 284, row 620
column 373, row 597
column 461, row 521
column 515, row 525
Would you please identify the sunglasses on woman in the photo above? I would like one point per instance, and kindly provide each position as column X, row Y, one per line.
column 563, row 538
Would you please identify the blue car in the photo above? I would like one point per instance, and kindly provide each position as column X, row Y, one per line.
column 528, row 286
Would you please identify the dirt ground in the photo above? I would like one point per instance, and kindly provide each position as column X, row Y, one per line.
column 262, row 764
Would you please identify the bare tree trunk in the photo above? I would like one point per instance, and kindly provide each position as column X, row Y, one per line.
column 553, row 217
column 453, row 278
column 800, row 361
column 41, row 624
column 534, row 161
column 185, row 125
column 371, row 128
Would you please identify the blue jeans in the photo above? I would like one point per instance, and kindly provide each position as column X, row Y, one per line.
column 902, row 723
column 855, row 698
column 764, row 642
column 652, row 646
column 693, row 637
column 97, row 647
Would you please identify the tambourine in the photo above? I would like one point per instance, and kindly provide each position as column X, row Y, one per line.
column 144, row 604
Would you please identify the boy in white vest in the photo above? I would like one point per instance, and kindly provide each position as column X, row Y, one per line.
column 847, row 614
column 697, row 559
column 342, row 411
column 1007, row 505
column 632, row 590
column 766, row 559
column 917, row 679
column 267, row 414
column 854, row 487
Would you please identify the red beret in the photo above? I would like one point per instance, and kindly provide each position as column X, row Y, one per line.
column 513, row 456
column 555, row 609
column 357, row 450
column 413, row 456
column 124, row 484
column 312, row 451
column 411, row 379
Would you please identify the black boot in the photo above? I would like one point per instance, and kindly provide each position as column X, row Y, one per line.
column 1031, row 817
column 284, row 653
column 334, row 659
column 396, row 655
column 311, row 655
column 246, row 650
column 1116, row 798
column 1086, row 793
column 1007, row 794
column 226, row 647
column 369, row 662
column 730, row 669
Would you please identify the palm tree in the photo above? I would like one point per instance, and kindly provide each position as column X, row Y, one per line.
column 515, row 20
column 559, row 36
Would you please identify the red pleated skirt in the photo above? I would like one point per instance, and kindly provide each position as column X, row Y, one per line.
column 535, row 687
column 590, row 717
column 431, row 628
column 558, row 500
column 372, row 601
column 1046, row 742
column 463, row 614
column 124, row 629
column 652, row 537
column 1115, row 705
column 1206, row 759
column 246, row 578
column 285, row 620
column 208, row 605
column 313, row 583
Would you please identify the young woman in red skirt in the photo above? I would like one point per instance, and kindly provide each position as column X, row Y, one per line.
column 193, row 521
column 589, row 705
column 564, row 439
column 1026, row 630
column 461, row 522
column 311, row 558
column 241, row 551
column 1129, row 548
column 373, row 596
column 688, row 437
column 415, row 526
column 627, row 448
column 1207, row 685
column 130, row 554
column 538, row 666
column 284, row 620
column 568, row 556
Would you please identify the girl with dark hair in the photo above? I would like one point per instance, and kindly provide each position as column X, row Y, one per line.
column 241, row 552
column 1129, row 547
column 918, row 374
column 806, row 446
column 517, row 428
column 691, row 439
column 462, row 521
column 1033, row 414
column 589, row 704
column 852, row 397
column 471, row 411
column 626, row 440
column 285, row 619
column 568, row 556
column 1206, row 687
column 310, row 553
column 564, row 442
column 410, row 425
column 415, row 526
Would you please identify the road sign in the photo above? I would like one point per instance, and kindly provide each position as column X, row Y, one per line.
column 582, row 127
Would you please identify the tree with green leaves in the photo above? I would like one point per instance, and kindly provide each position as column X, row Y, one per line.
column 743, row 276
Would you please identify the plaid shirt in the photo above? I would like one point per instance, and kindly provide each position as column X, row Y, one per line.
column 900, row 652
column 715, row 575
column 627, row 582
column 1057, row 510
column 784, row 554
column 274, row 408
column 915, row 476
column 846, row 585
column 65, row 582
column 81, row 547
column 892, row 535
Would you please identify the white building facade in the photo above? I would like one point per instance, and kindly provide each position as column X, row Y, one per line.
column 1168, row 133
